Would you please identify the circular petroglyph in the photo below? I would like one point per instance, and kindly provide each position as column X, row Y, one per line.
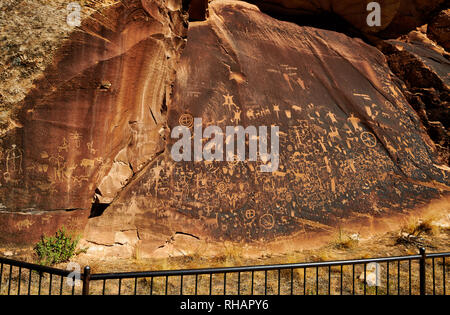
column 186, row 120
column 369, row 139
column 267, row 221
column 221, row 187
column 250, row 214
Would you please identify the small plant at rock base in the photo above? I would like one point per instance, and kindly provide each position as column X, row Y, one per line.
column 346, row 241
column 56, row 249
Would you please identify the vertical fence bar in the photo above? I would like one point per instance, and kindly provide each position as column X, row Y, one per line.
column 292, row 281
column 253, row 280
column 210, row 284
column 151, row 286
column 50, row 285
column 409, row 276
column 265, row 282
column 18, row 282
column 181, row 285
column 196, row 283
column 387, row 278
column 279, row 281
column 61, row 285
column 239, row 283
column 104, row 287
column 329, row 280
column 342, row 276
column 40, row 282
column 225, row 283
column 86, row 280
column 398, row 277
column 1, row 276
column 29, row 282
column 10, row 278
column 434, row 277
column 353, row 279
column 422, row 271
column 120, row 285
column 443, row 272
column 365, row 278
column 304, row 281
column 135, row 285
column 317, row 280
column 167, row 283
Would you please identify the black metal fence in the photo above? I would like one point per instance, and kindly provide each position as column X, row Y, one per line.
column 403, row 275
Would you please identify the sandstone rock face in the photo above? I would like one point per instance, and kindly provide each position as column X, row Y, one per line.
column 352, row 149
column 423, row 67
column 96, row 129
column 97, row 116
column 439, row 29
column 397, row 16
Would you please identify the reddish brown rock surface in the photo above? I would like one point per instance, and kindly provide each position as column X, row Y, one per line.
column 96, row 129
column 97, row 115
column 397, row 16
column 424, row 67
column 439, row 29
column 352, row 149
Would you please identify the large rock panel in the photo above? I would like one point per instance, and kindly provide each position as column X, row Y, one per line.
column 352, row 150
column 95, row 118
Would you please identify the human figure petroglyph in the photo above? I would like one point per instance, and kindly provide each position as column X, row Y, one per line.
column 355, row 122
column 90, row 146
column 76, row 138
column 14, row 158
column 229, row 102
column 64, row 146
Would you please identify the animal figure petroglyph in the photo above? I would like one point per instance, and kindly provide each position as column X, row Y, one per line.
column 87, row 163
column 212, row 222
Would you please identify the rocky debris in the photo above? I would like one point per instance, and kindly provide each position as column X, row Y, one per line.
column 439, row 29
column 352, row 149
column 8, row 253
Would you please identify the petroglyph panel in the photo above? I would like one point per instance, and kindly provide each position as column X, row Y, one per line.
column 349, row 142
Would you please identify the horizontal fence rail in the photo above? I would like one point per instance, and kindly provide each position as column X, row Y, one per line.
column 22, row 278
column 401, row 275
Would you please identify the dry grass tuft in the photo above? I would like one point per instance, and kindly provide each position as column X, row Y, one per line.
column 345, row 240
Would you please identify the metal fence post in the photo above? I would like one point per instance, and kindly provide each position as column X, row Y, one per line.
column 86, row 279
column 422, row 271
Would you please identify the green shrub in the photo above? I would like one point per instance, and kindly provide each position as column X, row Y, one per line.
column 56, row 249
